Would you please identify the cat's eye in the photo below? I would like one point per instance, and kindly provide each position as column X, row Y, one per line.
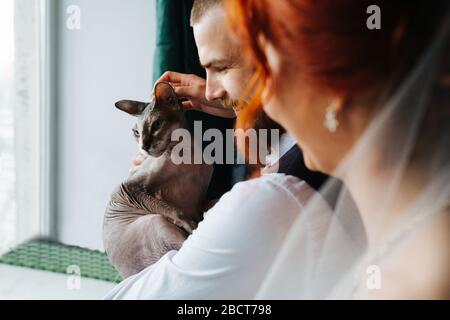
column 157, row 125
column 136, row 133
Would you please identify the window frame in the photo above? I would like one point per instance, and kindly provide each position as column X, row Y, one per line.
column 47, row 118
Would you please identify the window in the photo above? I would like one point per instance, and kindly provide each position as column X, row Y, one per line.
column 7, row 155
column 24, row 119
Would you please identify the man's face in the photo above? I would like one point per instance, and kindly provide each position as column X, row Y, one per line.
column 227, row 71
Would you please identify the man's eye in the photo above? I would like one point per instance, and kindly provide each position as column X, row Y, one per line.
column 221, row 69
column 136, row 133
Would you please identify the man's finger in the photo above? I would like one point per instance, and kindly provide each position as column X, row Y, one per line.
column 187, row 104
column 140, row 157
column 173, row 77
column 215, row 111
column 138, row 161
column 189, row 92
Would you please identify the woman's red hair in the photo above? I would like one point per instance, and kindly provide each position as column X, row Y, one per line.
column 330, row 41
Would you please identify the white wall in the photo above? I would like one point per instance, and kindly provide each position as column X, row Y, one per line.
column 108, row 59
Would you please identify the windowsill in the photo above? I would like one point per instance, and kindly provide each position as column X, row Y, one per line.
column 30, row 284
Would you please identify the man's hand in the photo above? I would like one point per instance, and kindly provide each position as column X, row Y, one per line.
column 134, row 235
column 137, row 162
column 191, row 90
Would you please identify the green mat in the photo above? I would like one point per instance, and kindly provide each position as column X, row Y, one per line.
column 56, row 257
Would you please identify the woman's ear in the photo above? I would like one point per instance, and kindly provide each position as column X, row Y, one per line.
column 134, row 108
column 165, row 96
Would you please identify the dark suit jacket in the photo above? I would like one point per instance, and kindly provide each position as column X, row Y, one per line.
column 292, row 163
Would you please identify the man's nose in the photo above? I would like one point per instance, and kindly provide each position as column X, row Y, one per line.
column 214, row 91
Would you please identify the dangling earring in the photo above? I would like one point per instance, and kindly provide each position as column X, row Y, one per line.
column 331, row 122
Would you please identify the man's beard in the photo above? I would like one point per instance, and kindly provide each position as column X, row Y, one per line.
column 236, row 105
column 262, row 121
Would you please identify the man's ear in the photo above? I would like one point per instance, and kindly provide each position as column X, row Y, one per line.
column 134, row 108
column 165, row 96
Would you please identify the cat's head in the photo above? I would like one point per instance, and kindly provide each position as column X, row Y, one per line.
column 155, row 120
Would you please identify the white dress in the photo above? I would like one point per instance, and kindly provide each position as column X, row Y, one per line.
column 230, row 252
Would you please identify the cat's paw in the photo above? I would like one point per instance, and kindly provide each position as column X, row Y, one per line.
column 187, row 226
column 192, row 225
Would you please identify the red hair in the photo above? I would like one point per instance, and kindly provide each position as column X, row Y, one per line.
column 330, row 41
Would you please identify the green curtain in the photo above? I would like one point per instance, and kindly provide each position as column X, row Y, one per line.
column 176, row 51
column 175, row 44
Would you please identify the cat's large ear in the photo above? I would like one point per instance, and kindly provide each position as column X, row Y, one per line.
column 134, row 108
column 165, row 96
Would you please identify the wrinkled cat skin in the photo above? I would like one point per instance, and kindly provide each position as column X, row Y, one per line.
column 158, row 189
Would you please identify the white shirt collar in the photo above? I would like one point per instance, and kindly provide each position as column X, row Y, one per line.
column 279, row 150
